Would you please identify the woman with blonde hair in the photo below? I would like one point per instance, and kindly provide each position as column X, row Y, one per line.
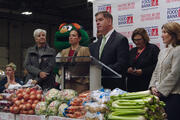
column 165, row 81
column 10, row 81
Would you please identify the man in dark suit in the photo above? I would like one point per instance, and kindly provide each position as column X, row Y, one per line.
column 112, row 49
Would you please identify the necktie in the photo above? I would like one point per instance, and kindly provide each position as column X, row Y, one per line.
column 102, row 46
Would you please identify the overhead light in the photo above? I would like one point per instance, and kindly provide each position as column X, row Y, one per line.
column 26, row 13
column 91, row 0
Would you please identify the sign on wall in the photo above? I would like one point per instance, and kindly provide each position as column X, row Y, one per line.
column 131, row 14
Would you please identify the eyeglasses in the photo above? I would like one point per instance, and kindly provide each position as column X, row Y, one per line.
column 137, row 39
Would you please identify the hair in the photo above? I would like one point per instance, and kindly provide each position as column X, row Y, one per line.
column 38, row 31
column 142, row 32
column 105, row 14
column 78, row 32
column 12, row 65
column 173, row 29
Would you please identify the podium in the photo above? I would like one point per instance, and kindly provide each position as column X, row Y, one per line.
column 82, row 67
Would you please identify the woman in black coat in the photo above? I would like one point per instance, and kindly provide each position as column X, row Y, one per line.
column 142, row 61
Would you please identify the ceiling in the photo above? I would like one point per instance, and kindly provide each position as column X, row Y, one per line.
column 51, row 11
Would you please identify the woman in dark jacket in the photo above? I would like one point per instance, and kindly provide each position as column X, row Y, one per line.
column 143, row 59
column 40, row 61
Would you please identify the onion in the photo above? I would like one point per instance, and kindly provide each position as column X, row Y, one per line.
column 17, row 102
column 39, row 96
column 28, row 106
column 32, row 97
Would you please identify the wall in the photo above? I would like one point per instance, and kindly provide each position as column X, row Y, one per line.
column 131, row 14
column 16, row 36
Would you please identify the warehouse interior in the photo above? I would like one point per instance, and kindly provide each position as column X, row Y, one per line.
column 16, row 31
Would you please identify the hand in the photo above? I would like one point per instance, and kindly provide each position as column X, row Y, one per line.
column 130, row 70
column 138, row 72
column 155, row 91
column 34, row 82
column 43, row 75
column 8, row 78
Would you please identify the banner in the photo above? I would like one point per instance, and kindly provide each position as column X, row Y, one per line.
column 131, row 14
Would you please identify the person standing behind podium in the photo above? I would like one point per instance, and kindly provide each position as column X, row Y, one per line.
column 75, row 50
column 112, row 49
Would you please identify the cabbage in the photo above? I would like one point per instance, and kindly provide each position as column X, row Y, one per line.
column 61, row 109
column 52, row 95
column 40, row 108
column 69, row 94
column 53, row 108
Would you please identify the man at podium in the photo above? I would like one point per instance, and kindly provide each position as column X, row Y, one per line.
column 112, row 49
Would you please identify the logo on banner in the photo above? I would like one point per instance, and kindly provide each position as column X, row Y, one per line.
column 152, row 31
column 126, row 6
column 106, row 7
column 128, row 34
column 150, row 16
column 149, row 4
column 169, row 1
column 125, row 20
column 173, row 14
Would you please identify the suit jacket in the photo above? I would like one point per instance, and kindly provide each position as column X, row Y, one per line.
column 115, row 55
column 166, row 76
column 147, row 62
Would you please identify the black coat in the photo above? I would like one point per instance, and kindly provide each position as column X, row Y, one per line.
column 147, row 62
column 115, row 55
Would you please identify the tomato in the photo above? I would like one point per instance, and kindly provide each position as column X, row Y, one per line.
column 27, row 90
column 30, row 101
column 28, row 106
column 24, row 93
column 19, row 91
column 11, row 109
column 36, row 101
column 14, row 99
column 31, row 112
column 16, row 110
column 24, row 107
column 39, row 91
column 33, row 106
column 17, row 102
column 32, row 89
column 32, row 92
column 21, row 106
column 38, row 96
column 32, row 97
column 20, row 96
column 22, row 101
column 26, row 97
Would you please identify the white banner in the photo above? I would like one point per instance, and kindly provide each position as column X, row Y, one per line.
column 131, row 14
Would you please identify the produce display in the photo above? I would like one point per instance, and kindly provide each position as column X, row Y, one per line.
column 25, row 100
column 62, row 109
column 41, row 108
column 76, row 108
column 90, row 105
column 136, row 106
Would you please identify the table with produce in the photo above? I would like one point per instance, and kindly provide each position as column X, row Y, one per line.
column 27, row 103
